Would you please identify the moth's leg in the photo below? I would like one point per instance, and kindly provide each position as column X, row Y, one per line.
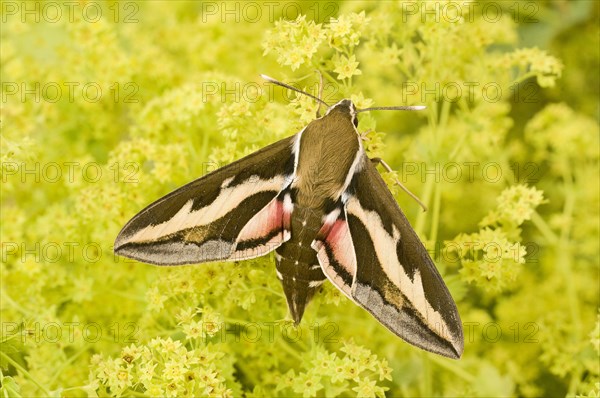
column 320, row 92
column 397, row 181
column 363, row 137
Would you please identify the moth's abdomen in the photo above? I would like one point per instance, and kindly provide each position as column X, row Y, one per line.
column 297, row 264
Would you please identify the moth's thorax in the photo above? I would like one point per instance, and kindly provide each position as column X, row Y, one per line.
column 327, row 151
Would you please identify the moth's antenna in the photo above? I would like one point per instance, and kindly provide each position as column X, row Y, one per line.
column 320, row 91
column 393, row 108
column 271, row 80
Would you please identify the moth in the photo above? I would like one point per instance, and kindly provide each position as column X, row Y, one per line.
column 318, row 201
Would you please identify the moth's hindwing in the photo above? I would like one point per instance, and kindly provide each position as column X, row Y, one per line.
column 237, row 212
column 373, row 256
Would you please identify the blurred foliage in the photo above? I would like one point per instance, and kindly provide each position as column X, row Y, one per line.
column 107, row 106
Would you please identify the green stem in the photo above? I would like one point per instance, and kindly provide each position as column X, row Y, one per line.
column 444, row 116
column 451, row 366
column 290, row 350
column 131, row 392
column 405, row 71
column 326, row 74
column 432, row 116
column 564, row 265
column 426, row 198
column 428, row 188
column 564, row 248
column 68, row 362
column 437, row 197
column 435, row 217
column 426, row 381
column 7, row 338
column 204, row 148
column 438, row 121
column 129, row 296
column 76, row 388
column 267, row 289
column 25, row 373
column 458, row 146
column 6, row 298
column 544, row 228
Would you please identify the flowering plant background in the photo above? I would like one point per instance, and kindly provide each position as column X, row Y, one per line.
column 107, row 106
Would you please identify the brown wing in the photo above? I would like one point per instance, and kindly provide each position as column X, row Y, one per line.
column 236, row 212
column 374, row 256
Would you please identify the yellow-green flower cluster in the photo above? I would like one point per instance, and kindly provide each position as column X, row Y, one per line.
column 344, row 32
column 165, row 368
column 488, row 258
column 492, row 258
column 305, row 108
column 295, row 42
column 560, row 136
column 515, row 205
column 536, row 62
column 329, row 374
column 345, row 67
column 208, row 326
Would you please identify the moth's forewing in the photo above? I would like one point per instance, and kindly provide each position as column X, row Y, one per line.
column 209, row 218
column 376, row 259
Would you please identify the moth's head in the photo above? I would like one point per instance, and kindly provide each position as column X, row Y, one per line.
column 346, row 108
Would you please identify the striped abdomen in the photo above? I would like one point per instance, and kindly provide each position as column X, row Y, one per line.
column 297, row 264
